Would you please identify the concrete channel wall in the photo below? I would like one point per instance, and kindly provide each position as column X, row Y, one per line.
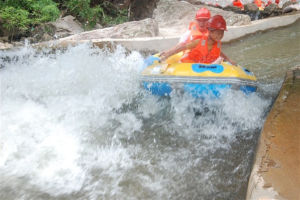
column 276, row 171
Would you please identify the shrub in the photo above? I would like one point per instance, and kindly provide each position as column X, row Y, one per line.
column 44, row 11
column 82, row 10
column 23, row 15
column 105, row 13
column 14, row 19
column 19, row 16
column 121, row 17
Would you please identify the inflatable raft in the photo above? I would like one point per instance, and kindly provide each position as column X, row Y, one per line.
column 197, row 79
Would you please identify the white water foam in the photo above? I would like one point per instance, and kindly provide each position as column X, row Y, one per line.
column 75, row 124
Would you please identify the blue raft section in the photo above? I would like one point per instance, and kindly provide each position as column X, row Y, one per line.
column 195, row 89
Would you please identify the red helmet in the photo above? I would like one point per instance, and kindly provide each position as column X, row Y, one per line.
column 202, row 13
column 217, row 22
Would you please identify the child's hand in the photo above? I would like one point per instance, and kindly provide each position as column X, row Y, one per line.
column 233, row 63
column 162, row 53
column 163, row 56
column 218, row 61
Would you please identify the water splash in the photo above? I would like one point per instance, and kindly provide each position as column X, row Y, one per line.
column 75, row 124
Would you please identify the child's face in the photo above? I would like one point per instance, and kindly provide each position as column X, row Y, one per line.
column 216, row 35
column 202, row 23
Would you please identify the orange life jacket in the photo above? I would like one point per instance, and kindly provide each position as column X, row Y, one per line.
column 195, row 33
column 238, row 3
column 259, row 3
column 200, row 53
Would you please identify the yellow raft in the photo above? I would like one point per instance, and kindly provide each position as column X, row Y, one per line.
column 197, row 79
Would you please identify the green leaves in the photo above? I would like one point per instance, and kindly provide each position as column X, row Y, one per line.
column 44, row 11
column 82, row 10
column 105, row 13
column 15, row 19
column 19, row 16
column 24, row 15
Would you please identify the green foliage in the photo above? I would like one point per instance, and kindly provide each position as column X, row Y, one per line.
column 39, row 11
column 14, row 19
column 44, row 10
column 121, row 17
column 19, row 15
column 82, row 10
column 24, row 15
column 105, row 13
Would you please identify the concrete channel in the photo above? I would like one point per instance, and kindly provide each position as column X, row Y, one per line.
column 276, row 171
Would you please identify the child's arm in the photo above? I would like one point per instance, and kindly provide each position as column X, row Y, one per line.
column 178, row 48
column 227, row 59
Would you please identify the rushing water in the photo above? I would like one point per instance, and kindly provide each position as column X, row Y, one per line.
column 75, row 124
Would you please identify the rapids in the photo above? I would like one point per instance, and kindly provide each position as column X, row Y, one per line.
column 75, row 124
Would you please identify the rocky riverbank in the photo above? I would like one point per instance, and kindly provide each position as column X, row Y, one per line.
column 164, row 18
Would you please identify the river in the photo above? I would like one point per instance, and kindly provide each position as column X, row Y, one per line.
column 75, row 124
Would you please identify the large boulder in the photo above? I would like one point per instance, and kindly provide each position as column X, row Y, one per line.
column 142, row 9
column 173, row 17
column 66, row 26
column 144, row 28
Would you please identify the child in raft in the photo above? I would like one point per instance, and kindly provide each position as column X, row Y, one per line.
column 197, row 28
column 206, row 50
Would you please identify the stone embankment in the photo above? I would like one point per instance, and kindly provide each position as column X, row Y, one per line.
column 276, row 171
column 169, row 20
column 160, row 43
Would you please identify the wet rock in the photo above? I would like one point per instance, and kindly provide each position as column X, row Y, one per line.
column 5, row 45
column 38, row 33
column 144, row 28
